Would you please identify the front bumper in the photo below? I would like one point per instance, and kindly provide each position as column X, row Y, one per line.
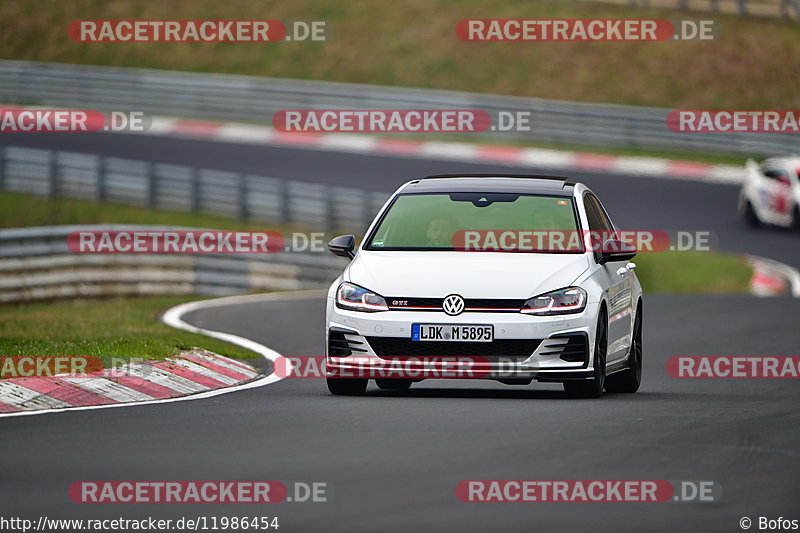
column 377, row 345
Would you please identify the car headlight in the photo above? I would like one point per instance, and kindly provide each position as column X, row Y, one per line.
column 355, row 298
column 560, row 302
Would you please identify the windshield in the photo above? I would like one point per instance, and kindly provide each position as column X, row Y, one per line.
column 478, row 222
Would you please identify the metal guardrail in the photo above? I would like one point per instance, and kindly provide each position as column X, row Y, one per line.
column 248, row 98
column 763, row 8
column 35, row 264
column 181, row 188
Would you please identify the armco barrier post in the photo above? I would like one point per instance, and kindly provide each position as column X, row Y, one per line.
column 100, row 191
column 195, row 191
column 330, row 215
column 742, row 7
column 2, row 168
column 284, row 200
column 366, row 208
column 52, row 174
column 152, row 186
column 242, row 212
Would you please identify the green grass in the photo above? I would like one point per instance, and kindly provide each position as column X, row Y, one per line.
column 117, row 328
column 754, row 63
column 692, row 272
column 20, row 210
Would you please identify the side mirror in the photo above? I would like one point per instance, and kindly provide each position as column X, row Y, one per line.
column 614, row 250
column 343, row 246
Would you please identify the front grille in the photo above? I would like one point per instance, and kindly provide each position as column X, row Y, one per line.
column 397, row 303
column 400, row 348
column 502, row 303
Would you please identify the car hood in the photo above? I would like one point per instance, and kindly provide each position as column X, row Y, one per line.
column 472, row 275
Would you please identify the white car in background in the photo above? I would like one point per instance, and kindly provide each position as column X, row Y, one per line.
column 771, row 192
column 412, row 296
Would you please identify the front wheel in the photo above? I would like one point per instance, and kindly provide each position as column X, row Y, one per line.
column 593, row 387
column 749, row 215
column 630, row 379
column 347, row 386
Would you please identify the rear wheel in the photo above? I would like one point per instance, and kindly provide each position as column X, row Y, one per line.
column 630, row 379
column 796, row 218
column 347, row 386
column 593, row 387
column 393, row 383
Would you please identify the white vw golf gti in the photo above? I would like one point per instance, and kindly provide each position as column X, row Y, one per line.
column 503, row 277
column 771, row 192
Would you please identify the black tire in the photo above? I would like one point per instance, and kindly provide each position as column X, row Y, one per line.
column 629, row 380
column 347, row 386
column 796, row 218
column 393, row 383
column 593, row 387
column 749, row 215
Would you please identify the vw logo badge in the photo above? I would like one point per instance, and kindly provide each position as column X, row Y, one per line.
column 453, row 305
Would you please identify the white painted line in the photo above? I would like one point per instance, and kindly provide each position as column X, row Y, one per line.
column 109, row 389
column 173, row 317
column 728, row 174
column 442, row 150
column 25, row 398
column 546, row 158
column 161, row 126
column 349, row 143
column 233, row 132
column 641, row 165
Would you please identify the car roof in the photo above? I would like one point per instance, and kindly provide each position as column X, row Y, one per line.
column 501, row 183
column 789, row 161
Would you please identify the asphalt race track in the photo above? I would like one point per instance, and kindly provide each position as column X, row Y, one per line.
column 392, row 460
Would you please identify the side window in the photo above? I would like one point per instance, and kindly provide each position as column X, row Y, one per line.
column 591, row 214
column 600, row 227
column 777, row 175
column 605, row 223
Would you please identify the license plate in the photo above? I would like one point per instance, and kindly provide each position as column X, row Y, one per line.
column 452, row 332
